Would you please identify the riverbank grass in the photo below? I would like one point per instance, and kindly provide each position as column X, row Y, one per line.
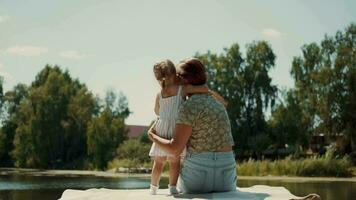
column 309, row 167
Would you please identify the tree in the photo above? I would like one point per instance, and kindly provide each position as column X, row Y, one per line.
column 246, row 85
column 107, row 131
column 1, row 94
column 133, row 149
column 225, row 77
column 325, row 81
column 117, row 104
column 23, row 151
column 56, row 122
column 52, row 120
column 81, row 109
column 11, row 102
column 289, row 123
column 259, row 93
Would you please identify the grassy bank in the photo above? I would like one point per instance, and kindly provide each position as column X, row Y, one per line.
column 353, row 171
column 128, row 163
column 310, row 167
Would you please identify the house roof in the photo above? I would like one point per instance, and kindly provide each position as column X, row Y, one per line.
column 136, row 130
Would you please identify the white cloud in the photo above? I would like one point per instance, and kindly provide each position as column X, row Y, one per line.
column 5, row 75
column 29, row 51
column 4, row 18
column 269, row 32
column 71, row 54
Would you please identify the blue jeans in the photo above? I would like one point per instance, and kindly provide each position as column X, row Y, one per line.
column 208, row 172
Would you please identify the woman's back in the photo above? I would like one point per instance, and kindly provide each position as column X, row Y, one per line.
column 210, row 123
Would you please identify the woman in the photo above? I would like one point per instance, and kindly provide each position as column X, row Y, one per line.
column 203, row 127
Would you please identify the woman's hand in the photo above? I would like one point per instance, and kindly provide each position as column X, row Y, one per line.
column 175, row 145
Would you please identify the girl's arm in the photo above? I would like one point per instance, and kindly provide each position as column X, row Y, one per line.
column 156, row 109
column 191, row 89
column 218, row 97
column 153, row 127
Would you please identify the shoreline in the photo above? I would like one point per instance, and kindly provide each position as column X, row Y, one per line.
column 109, row 174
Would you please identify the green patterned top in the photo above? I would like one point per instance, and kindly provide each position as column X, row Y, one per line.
column 210, row 122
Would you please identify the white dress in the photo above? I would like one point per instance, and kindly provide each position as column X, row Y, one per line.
column 168, row 112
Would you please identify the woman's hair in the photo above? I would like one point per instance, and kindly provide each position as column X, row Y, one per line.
column 163, row 70
column 193, row 71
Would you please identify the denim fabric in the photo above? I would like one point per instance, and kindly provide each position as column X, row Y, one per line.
column 208, row 172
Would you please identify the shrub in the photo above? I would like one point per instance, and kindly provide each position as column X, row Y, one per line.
column 131, row 154
column 133, row 149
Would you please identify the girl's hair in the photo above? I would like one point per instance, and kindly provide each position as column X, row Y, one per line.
column 163, row 70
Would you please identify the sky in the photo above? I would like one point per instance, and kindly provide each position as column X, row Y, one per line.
column 113, row 44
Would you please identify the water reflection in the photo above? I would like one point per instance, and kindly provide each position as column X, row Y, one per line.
column 328, row 190
column 17, row 187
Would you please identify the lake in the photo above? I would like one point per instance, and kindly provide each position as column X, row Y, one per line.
column 20, row 187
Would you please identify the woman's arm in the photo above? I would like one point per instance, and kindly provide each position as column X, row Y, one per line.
column 177, row 144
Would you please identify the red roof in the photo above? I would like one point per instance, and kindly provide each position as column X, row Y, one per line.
column 136, row 130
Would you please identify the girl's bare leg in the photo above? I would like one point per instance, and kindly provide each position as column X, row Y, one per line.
column 174, row 167
column 157, row 170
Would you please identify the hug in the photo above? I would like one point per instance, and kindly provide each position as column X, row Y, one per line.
column 192, row 132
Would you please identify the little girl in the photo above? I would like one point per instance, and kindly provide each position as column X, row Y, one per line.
column 166, row 108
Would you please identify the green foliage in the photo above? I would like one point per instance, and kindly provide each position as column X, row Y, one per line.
column 132, row 154
column 1, row 94
column 107, row 131
column 11, row 102
column 135, row 150
column 353, row 170
column 123, row 163
column 117, row 104
column 129, row 164
column 143, row 138
column 46, row 125
column 325, row 81
column 56, row 122
column 316, row 166
column 6, row 144
column 3, row 148
column 52, row 120
column 289, row 123
column 246, row 85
